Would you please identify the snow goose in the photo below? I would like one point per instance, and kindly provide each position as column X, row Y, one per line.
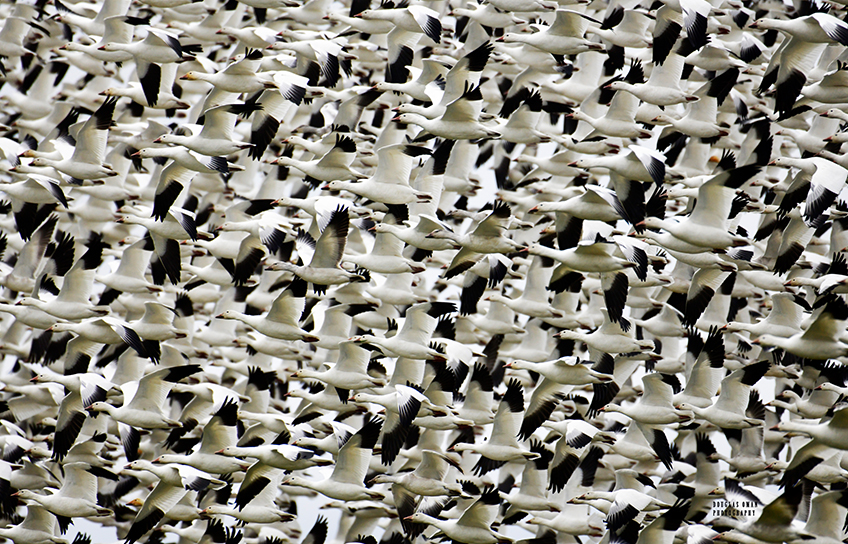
column 662, row 87
column 72, row 302
column 824, row 438
column 533, row 301
column 599, row 256
column 572, row 520
column 775, row 522
column 633, row 445
column 281, row 321
column 178, row 225
column 156, row 506
column 105, row 330
column 610, row 337
column 815, row 28
column 563, row 37
column 326, row 54
column 654, row 407
column 672, row 18
column 324, row 255
column 416, row 234
column 216, row 137
column 157, row 323
column 414, row 18
column 14, row 30
column 624, row 27
column 705, row 376
column 728, row 411
column 158, row 47
column 590, row 204
column 39, row 526
column 386, row 257
column 337, row 321
column 258, row 495
column 317, row 396
column 460, row 120
column 76, row 498
column 625, row 504
column 617, row 122
column 415, row 88
column 333, row 166
column 90, row 23
column 146, row 398
column 257, row 37
column 346, row 481
column 706, row 227
column 532, row 495
column 825, row 511
column 830, row 90
column 746, row 456
column 479, row 395
column 473, row 526
column 31, row 261
column 565, row 370
column 488, row 236
column 487, row 15
column 218, row 433
column 426, row 480
column 488, row 272
column 402, row 406
column 413, row 340
column 35, row 189
column 464, row 75
column 821, row 339
column 570, row 450
column 783, row 320
column 277, row 106
column 282, row 456
column 502, row 445
column 826, row 180
column 189, row 159
column 116, row 29
column 166, row 100
column 240, row 76
column 525, row 5
column 642, row 164
column 701, row 119
column 86, row 162
column 812, row 405
column 787, row 70
column 82, row 389
column 349, row 371
column 390, row 182
column 520, row 127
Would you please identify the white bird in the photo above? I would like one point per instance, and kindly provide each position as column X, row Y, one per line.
column 728, row 411
column 707, row 226
column 474, row 526
column 216, row 137
column 158, row 47
column 502, row 446
column 346, row 481
column 145, row 399
column 390, row 182
column 563, row 37
column 76, row 498
column 821, row 339
column 86, row 161
column 281, row 321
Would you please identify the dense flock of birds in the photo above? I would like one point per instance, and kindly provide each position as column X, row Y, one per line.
column 537, row 270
